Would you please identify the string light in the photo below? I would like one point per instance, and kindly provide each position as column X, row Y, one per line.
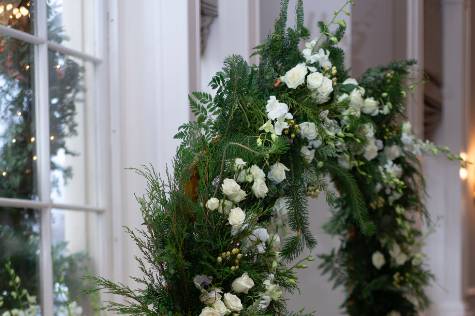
column 2, row 8
column 51, row 138
column 16, row 11
column 14, row 140
column 27, row 67
column 18, row 113
column 24, row 11
column 58, row 66
column 35, row 158
column 4, row 173
column 9, row 7
column 32, row 139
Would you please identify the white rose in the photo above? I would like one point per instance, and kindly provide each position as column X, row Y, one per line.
column 392, row 152
column 236, row 217
column 393, row 169
column 356, row 99
column 242, row 284
column 277, row 172
column 351, row 81
column 370, row 151
column 256, row 172
column 280, row 207
column 239, row 164
column 232, row 302
column 308, row 130
column 209, row 298
column 315, row 80
column 259, row 188
column 212, row 204
column 221, row 308
column 324, row 91
column 307, row 154
column 259, row 237
column 378, row 260
column 401, row 259
column 264, row 302
column 295, row 76
column 277, row 110
column 315, row 143
column 208, row 311
column 233, row 190
column 280, row 125
column 370, row 106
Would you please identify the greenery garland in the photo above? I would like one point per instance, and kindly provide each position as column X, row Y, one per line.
column 222, row 231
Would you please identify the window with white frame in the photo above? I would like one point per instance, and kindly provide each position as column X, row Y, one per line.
column 50, row 149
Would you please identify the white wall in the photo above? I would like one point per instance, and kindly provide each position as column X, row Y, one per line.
column 150, row 83
column 232, row 33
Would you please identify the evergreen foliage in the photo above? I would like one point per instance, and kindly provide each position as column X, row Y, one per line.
column 272, row 136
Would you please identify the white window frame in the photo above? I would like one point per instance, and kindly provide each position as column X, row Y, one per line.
column 41, row 85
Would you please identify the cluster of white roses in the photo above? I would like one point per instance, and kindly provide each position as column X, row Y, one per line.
column 373, row 145
column 357, row 103
column 233, row 194
column 217, row 303
column 320, row 85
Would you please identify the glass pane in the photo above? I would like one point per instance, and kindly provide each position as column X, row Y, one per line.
column 19, row 265
column 73, row 239
column 72, row 23
column 17, row 14
column 72, row 130
column 17, row 120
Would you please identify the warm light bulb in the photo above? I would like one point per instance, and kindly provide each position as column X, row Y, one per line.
column 18, row 15
column 27, row 67
column 463, row 173
column 32, row 139
column 4, row 173
column 51, row 138
column 35, row 158
column 18, row 113
column 14, row 140
column 15, row 11
column 9, row 6
column 2, row 8
column 24, row 11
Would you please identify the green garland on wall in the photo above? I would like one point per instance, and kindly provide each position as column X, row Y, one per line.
column 223, row 232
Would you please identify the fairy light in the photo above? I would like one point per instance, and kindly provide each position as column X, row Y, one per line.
column 16, row 11
column 18, row 15
column 18, row 113
column 35, row 158
column 2, row 9
column 32, row 139
column 51, row 138
column 14, row 140
column 58, row 66
column 9, row 6
column 24, row 11
column 27, row 67
column 4, row 173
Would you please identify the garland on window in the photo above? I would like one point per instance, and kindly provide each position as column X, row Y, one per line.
column 223, row 230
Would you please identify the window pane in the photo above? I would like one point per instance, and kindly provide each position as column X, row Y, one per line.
column 17, row 120
column 19, row 266
column 17, row 14
column 73, row 239
column 72, row 23
column 72, row 130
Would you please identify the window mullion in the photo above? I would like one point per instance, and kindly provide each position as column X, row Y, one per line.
column 43, row 154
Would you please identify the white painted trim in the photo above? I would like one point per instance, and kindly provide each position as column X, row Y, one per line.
column 22, row 36
column 116, row 169
column 415, row 50
column 194, row 52
column 253, row 28
column 72, row 52
column 18, row 203
column 43, row 161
